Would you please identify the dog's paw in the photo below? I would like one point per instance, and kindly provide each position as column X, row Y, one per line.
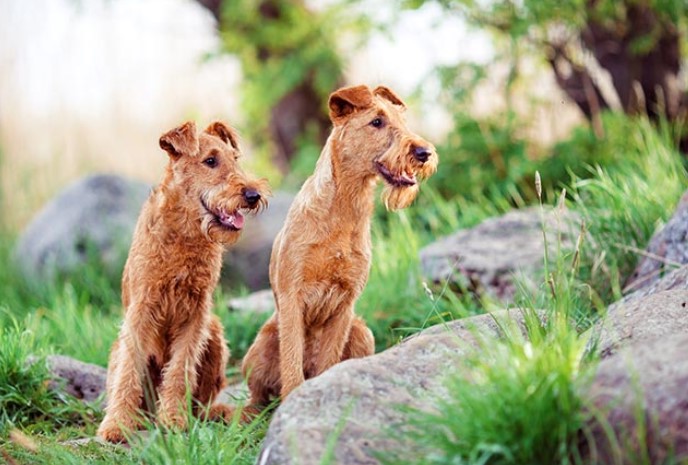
column 220, row 412
column 112, row 433
column 173, row 419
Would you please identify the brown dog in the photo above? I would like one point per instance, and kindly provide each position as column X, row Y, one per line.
column 170, row 339
column 321, row 257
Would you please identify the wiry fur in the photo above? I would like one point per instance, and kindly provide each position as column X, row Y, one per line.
column 169, row 338
column 321, row 257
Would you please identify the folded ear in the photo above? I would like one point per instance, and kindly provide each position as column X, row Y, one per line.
column 224, row 132
column 387, row 94
column 346, row 100
column 180, row 141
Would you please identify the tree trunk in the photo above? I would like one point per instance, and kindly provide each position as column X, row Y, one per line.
column 295, row 112
column 645, row 78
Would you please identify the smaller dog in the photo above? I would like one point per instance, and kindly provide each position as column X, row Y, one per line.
column 170, row 340
column 321, row 257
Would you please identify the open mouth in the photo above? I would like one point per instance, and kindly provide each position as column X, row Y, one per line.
column 400, row 180
column 233, row 221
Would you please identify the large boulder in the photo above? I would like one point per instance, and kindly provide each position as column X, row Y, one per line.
column 667, row 250
column 92, row 218
column 677, row 279
column 639, row 392
column 364, row 396
column 248, row 260
column 641, row 395
column 493, row 255
column 643, row 319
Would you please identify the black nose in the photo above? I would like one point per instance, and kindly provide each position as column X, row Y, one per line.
column 422, row 154
column 252, row 196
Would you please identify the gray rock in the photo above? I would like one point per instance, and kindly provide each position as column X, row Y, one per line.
column 640, row 393
column 675, row 280
column 490, row 257
column 84, row 381
column 668, row 250
column 248, row 260
column 96, row 214
column 644, row 319
column 234, row 394
column 257, row 302
column 364, row 396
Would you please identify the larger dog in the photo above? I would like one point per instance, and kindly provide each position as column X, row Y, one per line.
column 321, row 257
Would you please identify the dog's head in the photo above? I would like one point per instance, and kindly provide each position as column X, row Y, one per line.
column 208, row 182
column 371, row 137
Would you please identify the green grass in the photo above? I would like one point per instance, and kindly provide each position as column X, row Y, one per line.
column 514, row 401
column 203, row 443
column 24, row 396
column 623, row 207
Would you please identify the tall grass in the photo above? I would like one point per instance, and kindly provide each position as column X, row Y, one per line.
column 624, row 206
column 513, row 400
column 25, row 398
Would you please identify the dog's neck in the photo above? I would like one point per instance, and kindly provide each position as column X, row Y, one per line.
column 176, row 226
column 352, row 195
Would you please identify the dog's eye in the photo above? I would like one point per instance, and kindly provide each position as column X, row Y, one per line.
column 376, row 123
column 210, row 162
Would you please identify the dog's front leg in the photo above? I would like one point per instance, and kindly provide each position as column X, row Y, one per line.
column 180, row 372
column 333, row 338
column 124, row 386
column 291, row 345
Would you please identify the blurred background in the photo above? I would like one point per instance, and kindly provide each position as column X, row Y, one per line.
column 89, row 85
column 502, row 88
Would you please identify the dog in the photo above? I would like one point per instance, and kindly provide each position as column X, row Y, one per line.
column 321, row 257
column 170, row 339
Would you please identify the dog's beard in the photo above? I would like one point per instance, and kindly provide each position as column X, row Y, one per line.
column 396, row 198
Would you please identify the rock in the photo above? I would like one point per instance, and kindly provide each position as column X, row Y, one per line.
column 647, row 382
column 81, row 380
column 677, row 279
column 234, row 394
column 257, row 302
column 491, row 256
column 82, row 442
column 365, row 394
column 248, row 260
column 96, row 214
column 644, row 319
column 639, row 390
column 668, row 249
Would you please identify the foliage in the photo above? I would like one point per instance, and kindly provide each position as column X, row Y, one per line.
column 283, row 46
column 638, row 44
column 534, row 17
column 624, row 205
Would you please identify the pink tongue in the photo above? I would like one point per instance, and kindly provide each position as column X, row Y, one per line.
column 238, row 220
column 235, row 220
